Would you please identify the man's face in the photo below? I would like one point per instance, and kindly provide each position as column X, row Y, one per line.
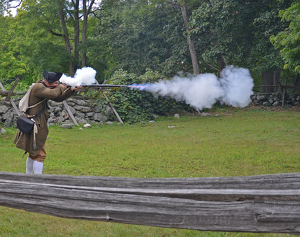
column 51, row 85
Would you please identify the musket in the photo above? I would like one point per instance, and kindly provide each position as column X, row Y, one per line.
column 104, row 86
column 141, row 87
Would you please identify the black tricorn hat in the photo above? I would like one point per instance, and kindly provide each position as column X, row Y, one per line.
column 52, row 76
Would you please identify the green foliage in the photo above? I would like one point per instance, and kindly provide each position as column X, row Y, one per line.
column 139, row 35
column 33, row 41
column 42, row 50
column 135, row 35
column 11, row 63
column 95, row 59
column 238, row 32
column 6, row 6
column 26, row 49
column 135, row 105
column 288, row 40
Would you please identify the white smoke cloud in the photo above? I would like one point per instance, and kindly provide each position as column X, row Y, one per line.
column 83, row 76
column 237, row 84
column 200, row 92
column 204, row 90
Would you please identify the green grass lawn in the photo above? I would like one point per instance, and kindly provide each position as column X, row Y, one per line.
column 236, row 143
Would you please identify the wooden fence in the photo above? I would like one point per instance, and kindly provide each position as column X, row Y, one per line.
column 265, row 203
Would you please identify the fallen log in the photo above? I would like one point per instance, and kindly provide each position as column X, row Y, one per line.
column 6, row 93
column 9, row 95
column 12, row 89
column 264, row 203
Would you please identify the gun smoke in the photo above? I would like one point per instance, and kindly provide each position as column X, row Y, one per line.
column 234, row 88
column 83, row 76
column 204, row 90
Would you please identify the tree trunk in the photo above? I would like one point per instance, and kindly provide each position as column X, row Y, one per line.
column 221, row 65
column 86, row 13
column 297, row 81
column 84, row 28
column 76, row 30
column 66, row 38
column 190, row 42
column 270, row 79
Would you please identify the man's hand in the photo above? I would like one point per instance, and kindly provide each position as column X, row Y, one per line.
column 76, row 88
column 62, row 86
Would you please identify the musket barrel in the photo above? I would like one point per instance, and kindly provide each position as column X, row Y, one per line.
column 104, row 85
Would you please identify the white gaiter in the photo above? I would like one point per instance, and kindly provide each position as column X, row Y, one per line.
column 37, row 167
column 29, row 165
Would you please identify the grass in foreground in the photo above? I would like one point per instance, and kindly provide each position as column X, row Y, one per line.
column 237, row 143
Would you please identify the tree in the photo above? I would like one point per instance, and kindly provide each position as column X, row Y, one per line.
column 66, row 37
column 6, row 5
column 190, row 42
column 11, row 63
column 288, row 40
column 144, row 34
column 40, row 49
column 186, row 7
column 63, row 19
column 132, row 34
column 86, row 11
column 237, row 32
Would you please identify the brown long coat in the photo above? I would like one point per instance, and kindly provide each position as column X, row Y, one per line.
column 38, row 93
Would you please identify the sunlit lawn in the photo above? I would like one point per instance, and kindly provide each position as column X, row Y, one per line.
column 235, row 143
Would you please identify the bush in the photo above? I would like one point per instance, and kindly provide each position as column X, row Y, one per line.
column 137, row 105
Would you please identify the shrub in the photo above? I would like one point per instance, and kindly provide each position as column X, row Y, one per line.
column 135, row 105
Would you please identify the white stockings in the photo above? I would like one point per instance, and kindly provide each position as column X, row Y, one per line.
column 29, row 165
column 33, row 166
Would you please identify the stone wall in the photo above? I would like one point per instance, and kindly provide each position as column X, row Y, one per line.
column 275, row 99
column 84, row 112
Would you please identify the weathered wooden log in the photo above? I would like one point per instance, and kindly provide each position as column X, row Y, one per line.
column 113, row 108
column 265, row 203
column 12, row 89
column 70, row 113
column 9, row 94
column 5, row 93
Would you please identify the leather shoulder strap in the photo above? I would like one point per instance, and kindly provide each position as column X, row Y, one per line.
column 39, row 113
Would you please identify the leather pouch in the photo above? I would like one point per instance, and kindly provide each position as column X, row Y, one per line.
column 25, row 124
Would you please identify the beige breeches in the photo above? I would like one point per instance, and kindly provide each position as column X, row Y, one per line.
column 41, row 156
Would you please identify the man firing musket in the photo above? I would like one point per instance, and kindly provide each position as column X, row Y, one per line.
column 36, row 109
